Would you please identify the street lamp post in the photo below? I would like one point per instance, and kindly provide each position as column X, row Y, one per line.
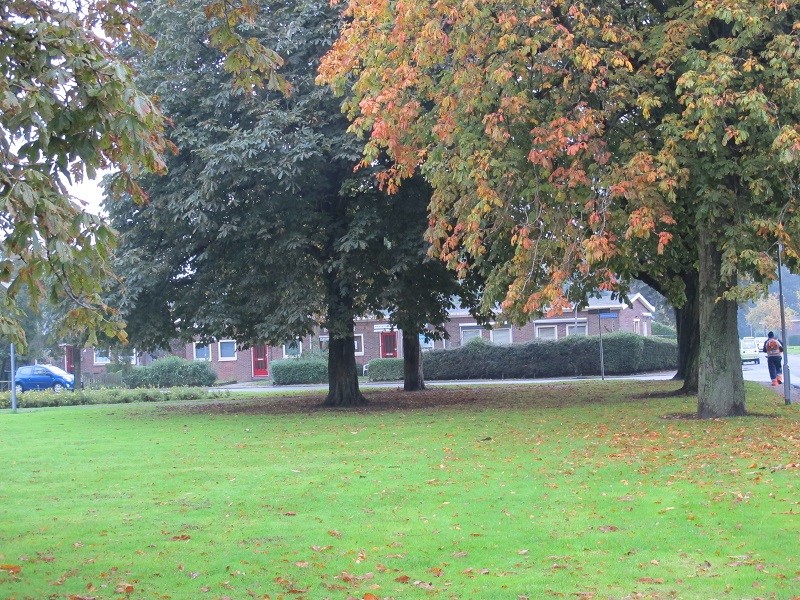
column 787, row 387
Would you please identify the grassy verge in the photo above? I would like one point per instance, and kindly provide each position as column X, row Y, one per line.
column 579, row 490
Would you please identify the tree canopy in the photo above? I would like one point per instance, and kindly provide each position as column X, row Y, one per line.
column 261, row 230
column 68, row 107
column 570, row 144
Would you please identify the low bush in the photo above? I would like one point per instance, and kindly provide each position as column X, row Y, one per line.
column 385, row 369
column 794, row 339
column 36, row 399
column 293, row 371
column 171, row 371
column 623, row 354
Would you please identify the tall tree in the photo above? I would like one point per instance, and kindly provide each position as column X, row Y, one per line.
column 261, row 230
column 766, row 314
column 67, row 108
column 415, row 289
column 590, row 138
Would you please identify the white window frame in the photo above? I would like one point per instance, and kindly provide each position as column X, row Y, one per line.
column 581, row 325
column 469, row 327
column 361, row 337
column 637, row 325
column 194, row 351
column 503, row 328
column 222, row 358
column 426, row 344
column 101, row 356
column 299, row 350
column 553, row 327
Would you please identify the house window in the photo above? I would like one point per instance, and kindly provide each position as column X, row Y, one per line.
column 293, row 349
column 359, row 344
column 324, row 342
column 470, row 333
column 546, row 332
column 202, row 351
column 101, row 356
column 501, row 336
column 579, row 329
column 425, row 343
column 128, row 357
column 227, row 350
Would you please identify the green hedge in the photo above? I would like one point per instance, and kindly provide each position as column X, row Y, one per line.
column 385, row 369
column 171, row 371
column 794, row 339
column 108, row 396
column 293, row 371
column 573, row 356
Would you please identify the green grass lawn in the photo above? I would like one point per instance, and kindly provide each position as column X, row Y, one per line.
column 580, row 490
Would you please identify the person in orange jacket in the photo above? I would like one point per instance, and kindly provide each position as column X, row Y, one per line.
column 773, row 348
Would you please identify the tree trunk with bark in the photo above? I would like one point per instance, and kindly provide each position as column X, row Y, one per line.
column 720, row 383
column 77, row 369
column 687, row 320
column 342, row 375
column 413, row 379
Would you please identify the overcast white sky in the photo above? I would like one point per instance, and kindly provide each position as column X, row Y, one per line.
column 89, row 192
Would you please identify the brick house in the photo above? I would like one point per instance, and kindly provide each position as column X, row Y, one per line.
column 377, row 338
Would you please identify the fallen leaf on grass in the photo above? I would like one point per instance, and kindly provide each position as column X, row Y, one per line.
column 436, row 571
column 650, row 580
column 79, row 597
column 124, row 588
column 424, row 585
column 321, row 548
column 607, row 528
column 181, row 538
column 403, row 579
column 14, row 569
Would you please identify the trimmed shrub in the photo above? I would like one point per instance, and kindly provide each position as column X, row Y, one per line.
column 794, row 339
column 293, row 371
column 36, row 399
column 385, row 369
column 574, row 356
column 171, row 371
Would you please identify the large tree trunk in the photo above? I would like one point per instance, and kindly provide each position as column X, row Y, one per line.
column 687, row 319
column 413, row 379
column 720, row 383
column 342, row 377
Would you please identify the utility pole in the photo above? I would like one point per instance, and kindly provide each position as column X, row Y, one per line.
column 787, row 386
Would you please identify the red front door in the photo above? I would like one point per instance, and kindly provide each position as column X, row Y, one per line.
column 260, row 361
column 389, row 344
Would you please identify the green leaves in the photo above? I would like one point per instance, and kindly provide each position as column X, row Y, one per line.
column 69, row 108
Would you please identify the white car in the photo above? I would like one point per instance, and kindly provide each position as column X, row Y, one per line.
column 749, row 351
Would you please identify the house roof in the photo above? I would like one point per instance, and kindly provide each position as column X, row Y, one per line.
column 606, row 301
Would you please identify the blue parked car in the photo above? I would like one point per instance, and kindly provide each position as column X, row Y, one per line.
column 43, row 377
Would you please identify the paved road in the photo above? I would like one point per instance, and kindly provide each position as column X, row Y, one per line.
column 760, row 372
column 750, row 372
